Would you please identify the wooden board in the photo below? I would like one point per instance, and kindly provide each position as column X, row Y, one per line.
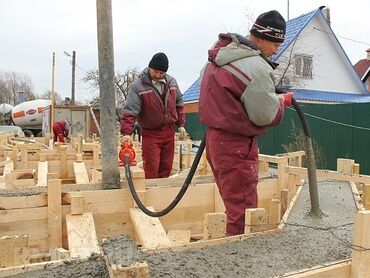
column 81, row 175
column 82, row 239
column 42, row 173
column 149, row 229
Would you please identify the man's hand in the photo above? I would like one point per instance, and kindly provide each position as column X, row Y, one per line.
column 182, row 133
column 287, row 98
column 126, row 138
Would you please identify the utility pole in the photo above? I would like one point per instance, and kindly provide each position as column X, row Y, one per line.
column 110, row 169
column 52, row 96
column 288, row 10
column 73, row 76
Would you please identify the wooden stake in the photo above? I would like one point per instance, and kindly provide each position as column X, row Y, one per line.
column 361, row 245
column 214, row 225
column 255, row 220
column 54, row 214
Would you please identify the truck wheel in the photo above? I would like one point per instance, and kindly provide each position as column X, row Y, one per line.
column 39, row 134
column 27, row 132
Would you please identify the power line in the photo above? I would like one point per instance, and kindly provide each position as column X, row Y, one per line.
column 335, row 122
column 332, row 34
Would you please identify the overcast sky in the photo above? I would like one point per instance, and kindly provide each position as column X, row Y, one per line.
column 31, row 30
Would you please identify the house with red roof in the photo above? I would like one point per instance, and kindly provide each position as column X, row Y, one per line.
column 362, row 68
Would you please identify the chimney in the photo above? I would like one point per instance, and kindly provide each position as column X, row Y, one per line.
column 326, row 12
column 368, row 54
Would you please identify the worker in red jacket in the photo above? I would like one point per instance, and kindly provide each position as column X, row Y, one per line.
column 154, row 100
column 238, row 103
column 61, row 130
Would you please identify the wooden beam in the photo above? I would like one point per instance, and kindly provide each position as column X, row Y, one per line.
column 42, row 173
column 80, row 171
column 361, row 245
column 54, row 214
column 82, row 239
column 149, row 229
column 214, row 225
column 14, row 270
column 333, row 175
column 341, row 269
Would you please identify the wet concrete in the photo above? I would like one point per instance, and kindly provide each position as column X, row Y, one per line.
column 304, row 242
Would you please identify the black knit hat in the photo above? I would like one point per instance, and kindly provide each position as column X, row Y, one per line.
column 159, row 62
column 269, row 26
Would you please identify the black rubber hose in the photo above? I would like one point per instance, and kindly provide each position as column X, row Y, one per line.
column 311, row 164
column 178, row 196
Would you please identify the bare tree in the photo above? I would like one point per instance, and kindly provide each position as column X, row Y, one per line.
column 122, row 82
column 47, row 95
column 11, row 84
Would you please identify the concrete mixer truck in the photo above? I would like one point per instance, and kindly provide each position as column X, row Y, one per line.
column 27, row 115
column 30, row 118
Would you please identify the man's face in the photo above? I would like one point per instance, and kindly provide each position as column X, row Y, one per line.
column 268, row 48
column 156, row 74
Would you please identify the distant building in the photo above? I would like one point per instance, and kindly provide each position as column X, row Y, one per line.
column 312, row 64
column 362, row 68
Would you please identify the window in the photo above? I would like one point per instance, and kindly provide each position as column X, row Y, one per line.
column 303, row 66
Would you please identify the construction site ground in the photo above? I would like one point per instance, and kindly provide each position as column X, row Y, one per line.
column 304, row 242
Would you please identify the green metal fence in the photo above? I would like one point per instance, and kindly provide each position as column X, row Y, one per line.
column 340, row 131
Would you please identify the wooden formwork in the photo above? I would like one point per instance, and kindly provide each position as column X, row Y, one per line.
column 66, row 214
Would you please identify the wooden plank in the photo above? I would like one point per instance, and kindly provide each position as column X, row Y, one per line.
column 54, row 214
column 149, row 229
column 42, row 173
column 179, row 236
column 361, row 245
column 80, row 171
column 214, row 225
column 14, row 270
column 332, row 175
column 340, row 269
column 206, row 243
column 27, row 201
column 136, row 269
column 82, row 239
column 290, row 207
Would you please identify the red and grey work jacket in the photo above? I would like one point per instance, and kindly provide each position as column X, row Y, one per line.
column 149, row 108
column 237, row 92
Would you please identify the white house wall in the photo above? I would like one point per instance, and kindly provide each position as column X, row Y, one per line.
column 331, row 70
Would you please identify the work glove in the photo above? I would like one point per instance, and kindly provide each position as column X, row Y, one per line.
column 287, row 98
column 182, row 133
column 126, row 138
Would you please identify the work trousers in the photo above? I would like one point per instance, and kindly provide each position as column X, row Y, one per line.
column 158, row 151
column 234, row 162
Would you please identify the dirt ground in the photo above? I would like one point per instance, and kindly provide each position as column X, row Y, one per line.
column 305, row 242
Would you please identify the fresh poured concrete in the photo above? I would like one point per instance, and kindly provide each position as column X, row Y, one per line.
column 304, row 242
